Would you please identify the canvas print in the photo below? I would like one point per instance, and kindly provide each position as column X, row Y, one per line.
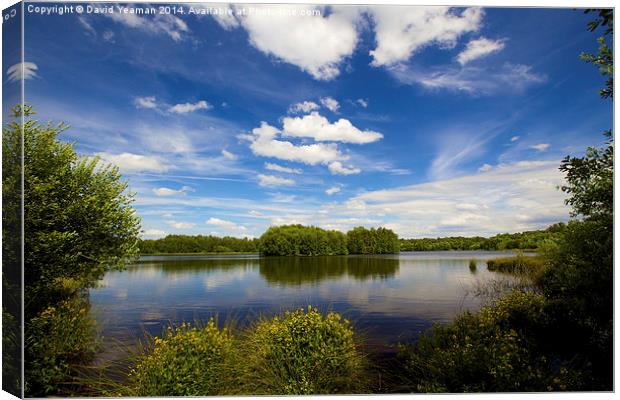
column 226, row 199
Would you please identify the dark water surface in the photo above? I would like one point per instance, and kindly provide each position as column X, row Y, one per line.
column 389, row 298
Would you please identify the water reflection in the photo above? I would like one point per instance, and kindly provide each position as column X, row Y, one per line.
column 390, row 298
column 296, row 271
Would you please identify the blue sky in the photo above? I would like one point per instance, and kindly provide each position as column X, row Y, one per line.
column 431, row 121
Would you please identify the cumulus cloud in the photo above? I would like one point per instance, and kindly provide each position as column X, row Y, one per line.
column 189, row 107
column 320, row 129
column 311, row 40
column 264, row 142
column 164, row 191
column 129, row 162
column 540, row 146
column 305, row 107
column 272, row 180
column 337, row 168
column 280, row 168
column 166, row 24
column 330, row 103
column 400, row 31
column 478, row 48
column 22, row 71
column 229, row 155
column 332, row 190
column 145, row 102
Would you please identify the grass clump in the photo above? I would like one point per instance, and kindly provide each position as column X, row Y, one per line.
column 302, row 352
column 187, row 361
column 530, row 266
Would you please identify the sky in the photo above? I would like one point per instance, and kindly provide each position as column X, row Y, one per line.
column 431, row 121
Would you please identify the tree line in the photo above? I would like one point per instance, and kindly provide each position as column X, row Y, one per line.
column 529, row 240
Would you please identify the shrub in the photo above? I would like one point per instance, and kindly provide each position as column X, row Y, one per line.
column 59, row 342
column 187, row 361
column 302, row 353
column 494, row 350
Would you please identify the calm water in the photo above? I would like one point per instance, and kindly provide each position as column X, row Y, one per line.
column 390, row 298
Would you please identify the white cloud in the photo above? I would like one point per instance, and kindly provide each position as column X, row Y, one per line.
column 320, row 129
column 280, row 168
column 129, row 162
column 330, row 103
column 337, row 168
column 485, row 167
column 515, row 138
column 153, row 233
column 189, row 107
column 86, row 25
column 271, row 180
column 164, row 191
column 402, row 30
column 540, row 146
column 305, row 107
column 263, row 142
column 475, row 80
column 166, row 24
column 508, row 198
column 229, row 155
column 317, row 44
column 478, row 48
column 19, row 71
column 228, row 226
column 332, row 190
column 362, row 102
column 180, row 225
column 145, row 102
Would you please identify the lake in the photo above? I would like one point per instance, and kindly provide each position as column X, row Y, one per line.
column 389, row 298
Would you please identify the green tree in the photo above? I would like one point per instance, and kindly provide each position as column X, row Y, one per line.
column 78, row 224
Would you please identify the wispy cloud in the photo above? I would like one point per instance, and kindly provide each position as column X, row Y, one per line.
column 130, row 162
column 474, row 80
column 280, row 168
column 165, row 24
column 22, row 71
column 272, row 180
column 478, row 48
column 145, row 102
column 540, row 146
column 330, row 103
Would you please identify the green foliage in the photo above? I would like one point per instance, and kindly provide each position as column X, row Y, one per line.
column 495, row 350
column 372, row 241
column 530, row 240
column 59, row 341
column 78, row 224
column 187, row 361
column 604, row 60
column 531, row 266
column 302, row 352
column 180, row 244
column 299, row 240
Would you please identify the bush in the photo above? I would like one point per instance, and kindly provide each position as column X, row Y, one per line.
column 187, row 361
column 59, row 342
column 494, row 350
column 302, row 353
